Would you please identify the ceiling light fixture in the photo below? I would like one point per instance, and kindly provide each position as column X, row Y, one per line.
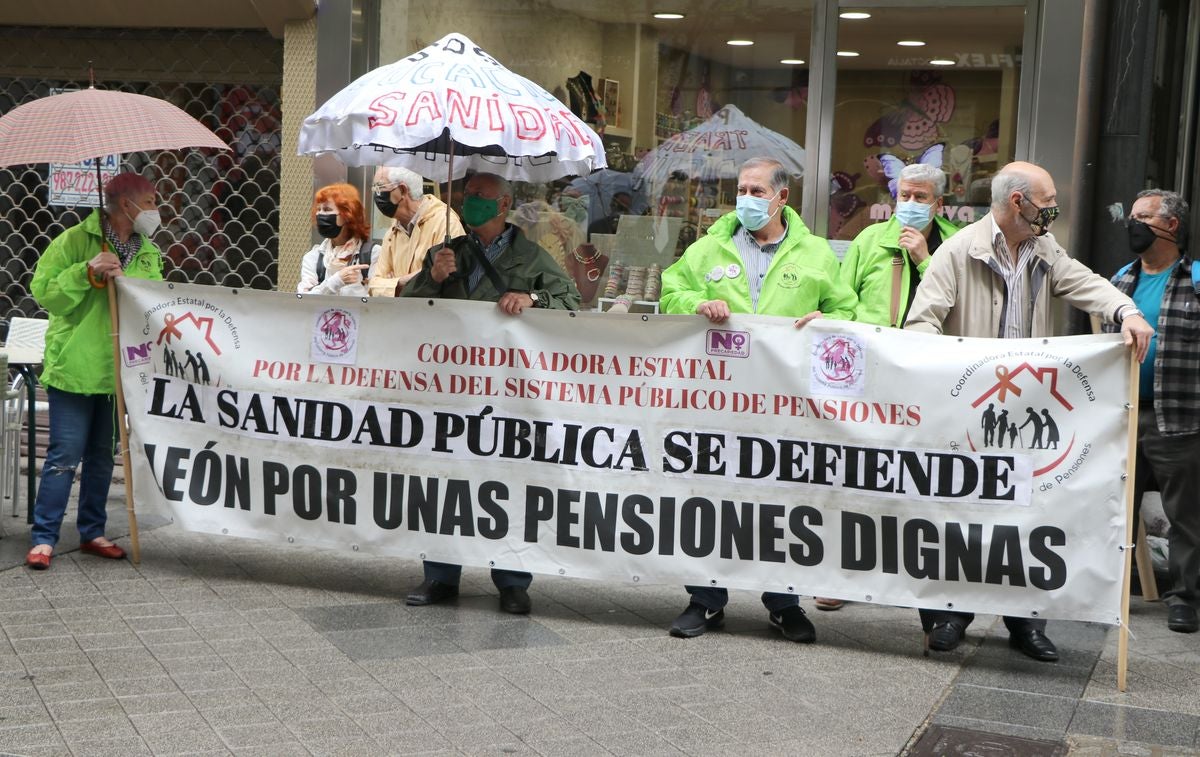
column 669, row 16
column 740, row 42
column 847, row 54
column 941, row 62
column 792, row 62
column 911, row 43
column 855, row 15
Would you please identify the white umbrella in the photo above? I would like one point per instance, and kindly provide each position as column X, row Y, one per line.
column 717, row 148
column 449, row 108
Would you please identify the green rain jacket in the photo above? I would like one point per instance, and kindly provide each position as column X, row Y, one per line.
column 867, row 269
column 524, row 267
column 79, row 351
column 802, row 277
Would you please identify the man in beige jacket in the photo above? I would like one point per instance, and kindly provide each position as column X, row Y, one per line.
column 996, row 278
column 418, row 223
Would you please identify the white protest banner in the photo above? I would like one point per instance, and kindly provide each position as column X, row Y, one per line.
column 837, row 460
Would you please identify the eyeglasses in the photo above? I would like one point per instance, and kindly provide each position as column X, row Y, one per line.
column 377, row 188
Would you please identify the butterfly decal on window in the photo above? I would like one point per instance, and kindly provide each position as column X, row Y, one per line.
column 892, row 165
column 842, row 199
column 913, row 125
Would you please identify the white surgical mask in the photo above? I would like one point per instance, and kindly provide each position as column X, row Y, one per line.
column 147, row 222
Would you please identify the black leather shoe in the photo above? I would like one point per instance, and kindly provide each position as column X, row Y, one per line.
column 946, row 635
column 516, row 600
column 1035, row 644
column 431, row 592
column 1183, row 619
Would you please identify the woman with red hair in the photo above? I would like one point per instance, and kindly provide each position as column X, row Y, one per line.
column 345, row 255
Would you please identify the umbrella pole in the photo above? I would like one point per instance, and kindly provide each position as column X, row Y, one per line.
column 136, row 549
column 449, row 186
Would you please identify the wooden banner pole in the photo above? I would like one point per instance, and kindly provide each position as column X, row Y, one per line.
column 135, row 545
column 1130, row 463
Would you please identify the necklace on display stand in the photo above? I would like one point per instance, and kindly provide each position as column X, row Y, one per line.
column 589, row 263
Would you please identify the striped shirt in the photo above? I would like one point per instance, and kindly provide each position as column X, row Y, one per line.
column 756, row 258
column 1017, row 320
column 491, row 252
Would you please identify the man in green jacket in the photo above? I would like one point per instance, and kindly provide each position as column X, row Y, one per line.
column 759, row 259
column 78, row 364
column 886, row 261
column 493, row 262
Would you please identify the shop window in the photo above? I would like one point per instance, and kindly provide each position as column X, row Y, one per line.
column 678, row 107
column 930, row 85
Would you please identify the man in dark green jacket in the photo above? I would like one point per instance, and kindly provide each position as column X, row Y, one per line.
column 885, row 262
column 78, row 364
column 493, row 262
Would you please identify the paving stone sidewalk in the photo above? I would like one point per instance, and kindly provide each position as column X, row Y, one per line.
column 214, row 645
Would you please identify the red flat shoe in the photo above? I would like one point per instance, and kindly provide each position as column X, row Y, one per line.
column 37, row 560
column 111, row 551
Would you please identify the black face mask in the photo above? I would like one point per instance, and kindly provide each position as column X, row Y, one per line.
column 327, row 225
column 383, row 201
column 1142, row 235
column 1040, row 223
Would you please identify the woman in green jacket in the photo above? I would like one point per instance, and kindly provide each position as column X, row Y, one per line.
column 78, row 364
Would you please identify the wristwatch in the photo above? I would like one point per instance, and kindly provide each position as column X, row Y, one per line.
column 1128, row 310
column 538, row 302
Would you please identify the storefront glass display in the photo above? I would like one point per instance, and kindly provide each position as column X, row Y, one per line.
column 934, row 85
column 683, row 93
column 678, row 104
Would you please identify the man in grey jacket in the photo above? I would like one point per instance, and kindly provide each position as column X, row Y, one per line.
column 997, row 278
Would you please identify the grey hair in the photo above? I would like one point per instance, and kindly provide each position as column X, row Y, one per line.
column 410, row 179
column 779, row 175
column 1007, row 182
column 923, row 173
column 1172, row 204
column 503, row 187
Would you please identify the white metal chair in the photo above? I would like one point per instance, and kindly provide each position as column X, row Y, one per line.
column 24, row 347
column 12, row 421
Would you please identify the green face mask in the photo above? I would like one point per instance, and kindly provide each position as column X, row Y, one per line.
column 476, row 210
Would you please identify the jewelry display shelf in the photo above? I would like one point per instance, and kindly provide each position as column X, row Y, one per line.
column 638, row 306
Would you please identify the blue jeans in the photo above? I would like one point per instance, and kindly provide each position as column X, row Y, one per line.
column 81, row 429
column 712, row 598
column 448, row 573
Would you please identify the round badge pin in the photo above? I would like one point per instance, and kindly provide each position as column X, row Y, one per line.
column 733, row 270
column 717, row 273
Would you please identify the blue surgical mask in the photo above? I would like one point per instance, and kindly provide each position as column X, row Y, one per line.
column 752, row 211
column 914, row 214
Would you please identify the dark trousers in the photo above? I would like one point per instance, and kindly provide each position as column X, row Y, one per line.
column 1174, row 463
column 1014, row 625
column 713, row 598
column 449, row 573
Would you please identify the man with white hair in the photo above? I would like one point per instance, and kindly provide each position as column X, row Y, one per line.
column 886, row 261
column 418, row 223
column 997, row 278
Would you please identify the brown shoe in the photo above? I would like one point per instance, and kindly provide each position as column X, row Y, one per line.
column 825, row 603
column 37, row 560
column 110, row 551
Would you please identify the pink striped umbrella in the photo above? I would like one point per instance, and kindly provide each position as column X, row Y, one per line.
column 89, row 123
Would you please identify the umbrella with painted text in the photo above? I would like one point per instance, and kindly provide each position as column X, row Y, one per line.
column 716, row 149
column 446, row 109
